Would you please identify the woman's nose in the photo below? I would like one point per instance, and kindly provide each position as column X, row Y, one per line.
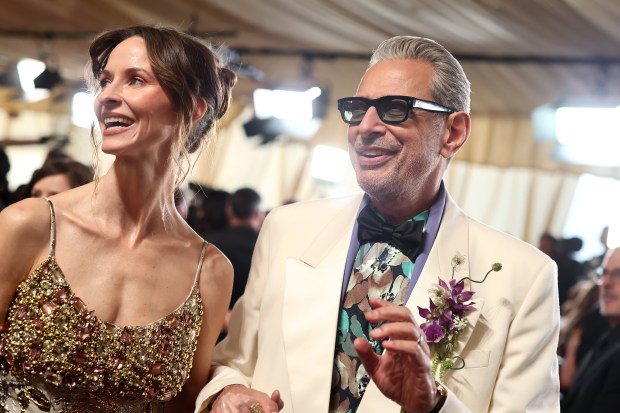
column 109, row 95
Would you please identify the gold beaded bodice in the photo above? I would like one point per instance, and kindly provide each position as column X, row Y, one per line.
column 57, row 356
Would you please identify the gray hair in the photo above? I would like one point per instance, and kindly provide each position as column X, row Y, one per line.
column 450, row 86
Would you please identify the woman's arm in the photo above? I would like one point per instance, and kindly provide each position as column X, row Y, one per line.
column 24, row 238
column 215, row 284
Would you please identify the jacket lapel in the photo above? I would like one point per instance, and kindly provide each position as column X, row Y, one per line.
column 311, row 308
column 452, row 238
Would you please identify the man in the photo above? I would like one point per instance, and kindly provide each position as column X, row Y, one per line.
column 596, row 387
column 310, row 323
column 237, row 240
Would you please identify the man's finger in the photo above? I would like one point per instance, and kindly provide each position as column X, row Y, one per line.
column 368, row 357
column 392, row 314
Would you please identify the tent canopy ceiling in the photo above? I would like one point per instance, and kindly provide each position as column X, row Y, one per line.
column 517, row 54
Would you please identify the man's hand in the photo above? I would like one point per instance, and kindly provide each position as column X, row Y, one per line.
column 403, row 372
column 237, row 398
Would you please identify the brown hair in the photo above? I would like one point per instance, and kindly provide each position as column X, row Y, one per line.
column 187, row 69
column 76, row 172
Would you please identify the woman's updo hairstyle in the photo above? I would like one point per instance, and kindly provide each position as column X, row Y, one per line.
column 186, row 68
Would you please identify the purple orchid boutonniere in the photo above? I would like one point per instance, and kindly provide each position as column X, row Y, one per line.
column 446, row 317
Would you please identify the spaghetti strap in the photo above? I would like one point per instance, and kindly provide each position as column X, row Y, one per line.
column 202, row 257
column 52, row 228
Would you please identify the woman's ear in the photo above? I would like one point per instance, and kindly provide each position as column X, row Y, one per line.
column 199, row 109
column 456, row 132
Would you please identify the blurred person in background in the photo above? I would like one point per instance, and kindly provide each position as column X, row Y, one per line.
column 56, row 175
column 594, row 263
column 245, row 217
column 207, row 210
column 5, row 167
column 582, row 326
column 570, row 270
column 596, row 384
column 547, row 244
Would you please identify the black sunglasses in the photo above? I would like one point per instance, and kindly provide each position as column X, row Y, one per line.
column 391, row 109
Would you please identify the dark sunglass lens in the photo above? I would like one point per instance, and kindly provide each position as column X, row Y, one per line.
column 394, row 109
column 354, row 110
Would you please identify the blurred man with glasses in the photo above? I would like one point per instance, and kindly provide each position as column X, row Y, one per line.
column 331, row 320
column 596, row 387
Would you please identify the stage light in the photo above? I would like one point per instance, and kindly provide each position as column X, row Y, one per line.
column 285, row 104
column 28, row 70
column 270, row 128
column 575, row 124
column 588, row 135
column 31, row 78
column 47, row 79
column 295, row 113
column 583, row 129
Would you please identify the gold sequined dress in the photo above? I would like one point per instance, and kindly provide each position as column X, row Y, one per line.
column 57, row 356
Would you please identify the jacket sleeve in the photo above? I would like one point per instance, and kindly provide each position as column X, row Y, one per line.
column 234, row 358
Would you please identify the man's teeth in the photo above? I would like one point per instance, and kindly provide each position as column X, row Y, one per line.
column 373, row 153
column 117, row 121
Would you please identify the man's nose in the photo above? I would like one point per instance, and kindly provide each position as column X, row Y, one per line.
column 371, row 122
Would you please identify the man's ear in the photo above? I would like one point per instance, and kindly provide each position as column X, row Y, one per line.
column 455, row 134
column 200, row 109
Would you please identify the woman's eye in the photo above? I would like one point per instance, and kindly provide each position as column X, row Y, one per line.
column 103, row 83
column 136, row 81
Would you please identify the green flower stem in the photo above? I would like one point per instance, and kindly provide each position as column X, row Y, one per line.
column 494, row 268
column 458, row 358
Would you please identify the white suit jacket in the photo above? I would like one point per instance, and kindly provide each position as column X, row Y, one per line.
column 282, row 332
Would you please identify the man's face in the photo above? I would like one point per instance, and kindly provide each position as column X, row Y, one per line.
column 609, row 297
column 404, row 158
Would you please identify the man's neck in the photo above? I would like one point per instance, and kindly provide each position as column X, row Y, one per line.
column 398, row 211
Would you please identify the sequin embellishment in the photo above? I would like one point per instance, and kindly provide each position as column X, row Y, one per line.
column 58, row 356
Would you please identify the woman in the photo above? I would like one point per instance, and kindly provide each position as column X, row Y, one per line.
column 111, row 302
column 56, row 175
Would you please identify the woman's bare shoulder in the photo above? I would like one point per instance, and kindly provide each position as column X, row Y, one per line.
column 215, row 264
column 24, row 237
column 217, row 271
column 26, row 220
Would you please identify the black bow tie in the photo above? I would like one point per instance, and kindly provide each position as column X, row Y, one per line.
column 407, row 237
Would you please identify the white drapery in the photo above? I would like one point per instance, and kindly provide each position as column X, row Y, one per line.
column 502, row 176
